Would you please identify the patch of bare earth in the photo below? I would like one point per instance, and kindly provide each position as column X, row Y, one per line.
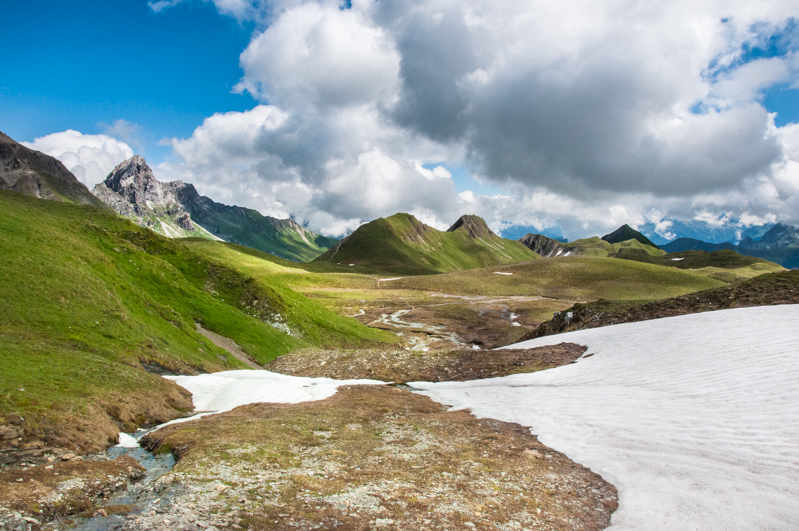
column 403, row 366
column 30, row 497
column 460, row 322
column 370, row 457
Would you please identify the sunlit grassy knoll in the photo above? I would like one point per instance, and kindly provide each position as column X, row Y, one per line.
column 276, row 271
column 596, row 246
column 575, row 278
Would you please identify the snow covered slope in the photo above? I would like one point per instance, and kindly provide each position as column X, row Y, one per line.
column 695, row 418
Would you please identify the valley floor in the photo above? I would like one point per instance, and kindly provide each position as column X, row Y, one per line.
column 693, row 418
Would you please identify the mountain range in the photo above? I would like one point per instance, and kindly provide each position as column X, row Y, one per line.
column 176, row 209
column 778, row 244
column 404, row 245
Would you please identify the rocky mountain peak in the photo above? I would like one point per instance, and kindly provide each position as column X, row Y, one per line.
column 475, row 226
column 134, row 180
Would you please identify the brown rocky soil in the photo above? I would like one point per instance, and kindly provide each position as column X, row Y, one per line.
column 68, row 486
column 401, row 366
column 370, row 457
column 765, row 290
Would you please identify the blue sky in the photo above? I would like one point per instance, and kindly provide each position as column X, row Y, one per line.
column 76, row 65
column 574, row 126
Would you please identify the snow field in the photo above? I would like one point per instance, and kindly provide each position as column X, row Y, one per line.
column 695, row 419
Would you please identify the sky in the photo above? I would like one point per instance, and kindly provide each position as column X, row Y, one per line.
column 567, row 118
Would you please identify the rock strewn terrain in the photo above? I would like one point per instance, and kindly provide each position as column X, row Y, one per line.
column 68, row 486
column 402, row 366
column 369, row 458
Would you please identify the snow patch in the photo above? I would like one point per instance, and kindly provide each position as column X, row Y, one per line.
column 223, row 391
column 695, row 419
column 501, row 273
column 127, row 441
column 677, row 259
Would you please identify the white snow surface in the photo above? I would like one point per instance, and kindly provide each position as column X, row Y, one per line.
column 222, row 391
column 695, row 419
column 126, row 441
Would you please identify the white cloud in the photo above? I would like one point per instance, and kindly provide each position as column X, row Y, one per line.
column 89, row 157
column 586, row 110
column 320, row 55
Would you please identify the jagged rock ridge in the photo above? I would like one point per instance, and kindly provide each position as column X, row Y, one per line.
column 176, row 209
column 544, row 246
column 33, row 173
column 133, row 191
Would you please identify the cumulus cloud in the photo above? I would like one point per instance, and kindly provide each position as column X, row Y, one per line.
column 589, row 113
column 89, row 157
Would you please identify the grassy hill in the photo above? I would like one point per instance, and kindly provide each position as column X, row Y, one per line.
column 280, row 237
column 401, row 244
column 624, row 233
column 596, row 246
column 89, row 297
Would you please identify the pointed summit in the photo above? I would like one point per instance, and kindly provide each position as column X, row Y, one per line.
column 134, row 180
column 475, row 227
column 624, row 233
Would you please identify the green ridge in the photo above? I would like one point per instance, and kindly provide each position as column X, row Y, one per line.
column 401, row 244
column 624, row 233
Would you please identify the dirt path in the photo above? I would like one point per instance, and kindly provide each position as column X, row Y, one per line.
column 229, row 345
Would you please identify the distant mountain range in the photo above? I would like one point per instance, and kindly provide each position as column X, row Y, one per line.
column 176, row 209
column 628, row 244
column 778, row 244
column 404, row 245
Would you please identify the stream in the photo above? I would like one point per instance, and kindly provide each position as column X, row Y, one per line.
column 141, row 496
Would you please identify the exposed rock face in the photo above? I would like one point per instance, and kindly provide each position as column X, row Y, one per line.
column 133, row 191
column 176, row 209
column 540, row 244
column 184, row 222
column 475, row 226
column 33, row 173
column 135, row 182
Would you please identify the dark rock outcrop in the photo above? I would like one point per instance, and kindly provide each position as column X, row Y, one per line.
column 33, row 173
column 545, row 247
